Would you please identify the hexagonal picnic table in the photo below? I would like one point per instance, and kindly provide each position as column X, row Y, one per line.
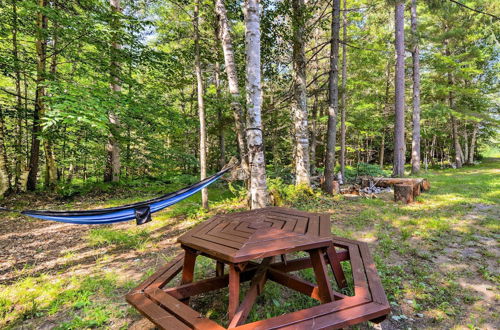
column 239, row 240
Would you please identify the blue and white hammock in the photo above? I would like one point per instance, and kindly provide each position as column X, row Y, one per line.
column 141, row 211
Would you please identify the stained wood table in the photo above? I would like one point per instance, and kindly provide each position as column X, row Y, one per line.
column 248, row 243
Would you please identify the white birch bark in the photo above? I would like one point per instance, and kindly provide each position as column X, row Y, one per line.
column 201, row 104
column 299, row 104
column 232, row 78
column 113, row 165
column 255, row 139
column 399, row 125
column 343, row 91
column 415, row 144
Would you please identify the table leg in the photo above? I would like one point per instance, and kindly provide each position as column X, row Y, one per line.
column 234, row 291
column 336, row 266
column 219, row 268
column 188, row 269
column 320, row 270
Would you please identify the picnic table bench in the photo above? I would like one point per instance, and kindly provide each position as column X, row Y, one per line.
column 240, row 240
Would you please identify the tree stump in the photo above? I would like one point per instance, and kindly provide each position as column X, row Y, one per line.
column 416, row 189
column 336, row 188
column 425, row 185
column 403, row 192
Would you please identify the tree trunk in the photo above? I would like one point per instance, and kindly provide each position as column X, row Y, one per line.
column 113, row 166
column 41, row 66
column 314, row 137
column 415, row 145
column 333, row 99
column 344, row 91
column 473, row 143
column 201, row 105
column 399, row 125
column 299, row 106
column 456, row 141
column 466, row 146
column 220, row 118
column 232, row 77
column 4, row 172
column 382, row 150
column 255, row 139
column 433, row 149
column 50, row 160
column 19, row 101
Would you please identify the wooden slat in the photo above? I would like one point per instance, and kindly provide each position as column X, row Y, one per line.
column 376, row 289
column 181, row 311
column 340, row 319
column 313, row 227
column 304, row 314
column 155, row 313
column 324, row 226
column 164, row 274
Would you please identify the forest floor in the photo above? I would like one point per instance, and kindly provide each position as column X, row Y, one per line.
column 438, row 258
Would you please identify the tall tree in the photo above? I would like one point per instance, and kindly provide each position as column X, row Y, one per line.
column 4, row 172
column 201, row 104
column 41, row 73
column 113, row 166
column 299, row 105
column 333, row 99
column 255, row 137
column 344, row 91
column 399, row 106
column 232, row 78
column 19, row 101
column 415, row 144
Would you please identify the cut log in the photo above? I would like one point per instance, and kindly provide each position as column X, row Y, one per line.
column 403, row 192
column 387, row 182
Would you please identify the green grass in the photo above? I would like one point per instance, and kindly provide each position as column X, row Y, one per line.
column 460, row 211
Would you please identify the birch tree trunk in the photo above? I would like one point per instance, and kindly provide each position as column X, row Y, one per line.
column 232, row 77
column 41, row 72
column 201, row 105
column 113, row 166
column 333, row 100
column 399, row 128
column 255, row 139
column 299, row 106
column 220, row 118
column 344, row 91
column 473, row 143
column 415, row 145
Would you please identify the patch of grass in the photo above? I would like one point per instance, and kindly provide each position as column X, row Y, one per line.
column 34, row 297
column 131, row 238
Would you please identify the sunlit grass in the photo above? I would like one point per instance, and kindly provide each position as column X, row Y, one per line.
column 405, row 240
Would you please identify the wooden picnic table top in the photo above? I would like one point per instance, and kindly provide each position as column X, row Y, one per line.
column 243, row 236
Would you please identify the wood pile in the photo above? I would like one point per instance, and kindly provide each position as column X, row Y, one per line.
column 405, row 189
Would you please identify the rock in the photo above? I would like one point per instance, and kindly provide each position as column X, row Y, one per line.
column 419, row 315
